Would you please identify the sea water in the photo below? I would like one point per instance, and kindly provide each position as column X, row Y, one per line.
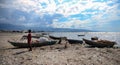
column 112, row 36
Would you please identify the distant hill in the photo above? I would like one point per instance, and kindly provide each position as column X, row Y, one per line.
column 10, row 27
column 62, row 30
column 47, row 29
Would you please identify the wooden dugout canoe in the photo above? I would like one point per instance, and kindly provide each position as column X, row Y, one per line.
column 35, row 44
column 72, row 41
column 99, row 43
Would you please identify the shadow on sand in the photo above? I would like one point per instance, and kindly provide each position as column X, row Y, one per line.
column 21, row 52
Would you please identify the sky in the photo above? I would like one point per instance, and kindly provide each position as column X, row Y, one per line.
column 100, row 15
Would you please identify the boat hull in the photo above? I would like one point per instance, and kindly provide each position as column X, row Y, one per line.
column 24, row 45
column 55, row 38
column 99, row 44
column 71, row 41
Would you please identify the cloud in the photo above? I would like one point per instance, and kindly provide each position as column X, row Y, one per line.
column 72, row 13
column 22, row 18
column 2, row 19
column 71, row 23
column 101, row 13
column 65, row 8
column 50, row 6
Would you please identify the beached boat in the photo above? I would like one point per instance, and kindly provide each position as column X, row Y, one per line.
column 73, row 41
column 99, row 43
column 35, row 44
column 55, row 38
column 81, row 35
column 25, row 36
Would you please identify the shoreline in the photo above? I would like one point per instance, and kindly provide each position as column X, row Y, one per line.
column 75, row 54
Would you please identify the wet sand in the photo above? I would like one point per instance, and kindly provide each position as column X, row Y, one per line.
column 75, row 54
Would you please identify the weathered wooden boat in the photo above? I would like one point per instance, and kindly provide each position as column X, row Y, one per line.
column 56, row 38
column 73, row 41
column 81, row 35
column 33, row 36
column 35, row 44
column 99, row 43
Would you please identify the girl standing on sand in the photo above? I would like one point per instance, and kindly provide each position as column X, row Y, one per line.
column 29, row 40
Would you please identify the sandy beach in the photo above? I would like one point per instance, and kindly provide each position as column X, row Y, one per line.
column 75, row 54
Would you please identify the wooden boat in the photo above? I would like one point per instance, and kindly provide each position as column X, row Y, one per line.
column 25, row 36
column 99, row 43
column 56, row 38
column 81, row 35
column 72, row 41
column 35, row 44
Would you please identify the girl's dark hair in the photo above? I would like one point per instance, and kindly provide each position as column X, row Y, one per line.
column 29, row 31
